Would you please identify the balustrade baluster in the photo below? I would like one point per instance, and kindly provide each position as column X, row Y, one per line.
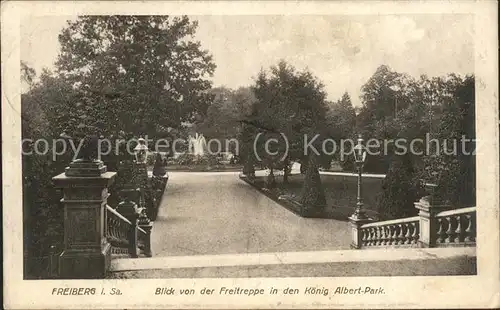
column 401, row 236
column 383, row 238
column 393, row 235
column 379, row 235
column 472, row 229
column 366, row 237
column 387, row 233
column 450, row 232
column 373, row 234
column 408, row 234
column 415, row 233
column 371, row 231
column 441, row 234
column 111, row 227
column 468, row 229
column 458, row 232
column 373, row 237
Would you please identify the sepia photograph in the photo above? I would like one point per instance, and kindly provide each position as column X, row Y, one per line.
column 190, row 146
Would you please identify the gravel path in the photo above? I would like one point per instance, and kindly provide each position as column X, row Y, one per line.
column 217, row 213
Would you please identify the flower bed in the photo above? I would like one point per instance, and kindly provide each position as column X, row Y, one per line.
column 204, row 168
column 340, row 192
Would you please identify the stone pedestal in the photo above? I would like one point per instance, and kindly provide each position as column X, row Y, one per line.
column 86, row 251
column 427, row 222
column 356, row 236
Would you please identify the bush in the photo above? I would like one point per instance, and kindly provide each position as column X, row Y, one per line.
column 400, row 189
column 185, row 159
column 151, row 158
column 313, row 196
column 190, row 159
column 43, row 215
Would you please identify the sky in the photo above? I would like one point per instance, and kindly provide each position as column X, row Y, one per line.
column 342, row 51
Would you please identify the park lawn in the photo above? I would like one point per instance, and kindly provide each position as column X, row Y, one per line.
column 340, row 192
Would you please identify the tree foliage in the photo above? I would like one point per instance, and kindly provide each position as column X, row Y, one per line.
column 340, row 124
column 400, row 189
column 291, row 103
column 145, row 73
column 224, row 115
column 290, row 108
column 452, row 164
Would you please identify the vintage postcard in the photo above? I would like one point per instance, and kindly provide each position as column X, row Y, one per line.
column 253, row 154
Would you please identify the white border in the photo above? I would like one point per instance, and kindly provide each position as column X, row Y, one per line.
column 416, row 292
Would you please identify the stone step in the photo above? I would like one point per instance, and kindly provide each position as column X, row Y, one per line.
column 377, row 262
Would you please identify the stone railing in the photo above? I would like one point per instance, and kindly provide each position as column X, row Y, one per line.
column 400, row 232
column 455, row 228
column 435, row 226
column 118, row 232
column 126, row 237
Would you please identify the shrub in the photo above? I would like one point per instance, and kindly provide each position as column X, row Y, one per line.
column 185, row 159
column 43, row 215
column 151, row 158
column 400, row 189
column 313, row 196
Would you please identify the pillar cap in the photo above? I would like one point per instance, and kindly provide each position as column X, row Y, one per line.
column 428, row 203
column 104, row 180
column 86, row 168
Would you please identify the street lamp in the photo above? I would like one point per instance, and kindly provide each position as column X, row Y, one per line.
column 141, row 151
column 360, row 157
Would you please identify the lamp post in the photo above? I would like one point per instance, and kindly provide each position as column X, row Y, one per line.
column 358, row 218
column 141, row 170
column 141, row 151
column 360, row 157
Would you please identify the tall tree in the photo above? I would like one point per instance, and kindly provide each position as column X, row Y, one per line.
column 340, row 124
column 290, row 103
column 224, row 115
column 28, row 74
column 143, row 73
column 388, row 97
column 452, row 165
column 341, row 117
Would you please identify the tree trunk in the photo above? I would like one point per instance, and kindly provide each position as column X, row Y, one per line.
column 286, row 171
column 303, row 165
column 248, row 168
column 271, row 181
column 313, row 196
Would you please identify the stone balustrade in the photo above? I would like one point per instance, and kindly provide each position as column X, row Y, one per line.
column 400, row 232
column 125, row 236
column 117, row 232
column 456, row 227
column 435, row 226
